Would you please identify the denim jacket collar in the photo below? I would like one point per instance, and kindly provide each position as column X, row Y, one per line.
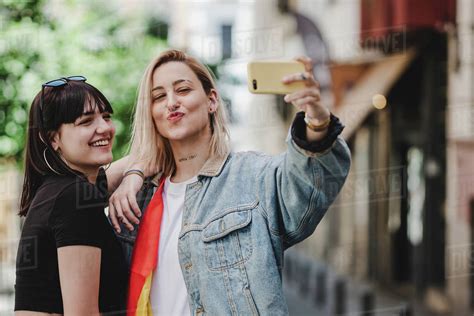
column 211, row 168
column 213, row 165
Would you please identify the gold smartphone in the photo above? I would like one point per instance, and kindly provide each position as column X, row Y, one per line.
column 265, row 76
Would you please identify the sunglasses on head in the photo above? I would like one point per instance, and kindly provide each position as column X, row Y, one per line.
column 59, row 83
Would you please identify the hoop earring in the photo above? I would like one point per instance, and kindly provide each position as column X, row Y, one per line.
column 47, row 163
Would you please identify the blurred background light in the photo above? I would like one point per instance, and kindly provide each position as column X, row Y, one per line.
column 379, row 101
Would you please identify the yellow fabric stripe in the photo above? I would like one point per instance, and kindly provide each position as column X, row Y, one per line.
column 144, row 302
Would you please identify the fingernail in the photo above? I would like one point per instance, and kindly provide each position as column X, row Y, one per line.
column 286, row 98
column 139, row 214
column 284, row 78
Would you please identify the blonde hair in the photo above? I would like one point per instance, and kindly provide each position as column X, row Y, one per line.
column 148, row 147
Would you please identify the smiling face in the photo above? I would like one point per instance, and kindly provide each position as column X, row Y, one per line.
column 86, row 144
column 180, row 106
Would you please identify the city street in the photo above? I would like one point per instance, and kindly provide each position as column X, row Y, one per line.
column 333, row 138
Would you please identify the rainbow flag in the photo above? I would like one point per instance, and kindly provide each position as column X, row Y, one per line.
column 145, row 257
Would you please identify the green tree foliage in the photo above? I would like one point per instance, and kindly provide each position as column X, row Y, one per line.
column 40, row 41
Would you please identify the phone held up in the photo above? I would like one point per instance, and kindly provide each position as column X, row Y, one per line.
column 264, row 77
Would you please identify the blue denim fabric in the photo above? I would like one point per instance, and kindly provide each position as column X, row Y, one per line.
column 242, row 213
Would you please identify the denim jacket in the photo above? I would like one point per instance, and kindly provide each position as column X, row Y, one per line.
column 245, row 209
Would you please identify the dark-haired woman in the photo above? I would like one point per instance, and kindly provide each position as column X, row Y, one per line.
column 69, row 261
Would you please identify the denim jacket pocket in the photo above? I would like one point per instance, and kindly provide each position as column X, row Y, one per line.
column 228, row 240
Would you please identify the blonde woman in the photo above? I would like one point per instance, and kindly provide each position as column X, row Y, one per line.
column 207, row 234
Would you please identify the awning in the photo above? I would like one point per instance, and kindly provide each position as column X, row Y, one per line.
column 378, row 79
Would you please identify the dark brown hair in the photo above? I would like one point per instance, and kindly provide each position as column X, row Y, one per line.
column 61, row 105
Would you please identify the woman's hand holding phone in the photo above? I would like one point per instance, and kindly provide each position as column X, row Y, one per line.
column 295, row 79
column 308, row 99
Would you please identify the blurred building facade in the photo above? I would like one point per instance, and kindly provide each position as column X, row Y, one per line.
column 402, row 220
column 460, row 155
column 401, row 77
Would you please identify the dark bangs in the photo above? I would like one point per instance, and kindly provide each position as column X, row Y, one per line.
column 65, row 104
column 60, row 105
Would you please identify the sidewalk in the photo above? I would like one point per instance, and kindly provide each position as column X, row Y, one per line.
column 305, row 297
column 337, row 295
column 302, row 304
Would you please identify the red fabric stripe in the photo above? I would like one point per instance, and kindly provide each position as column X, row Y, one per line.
column 145, row 251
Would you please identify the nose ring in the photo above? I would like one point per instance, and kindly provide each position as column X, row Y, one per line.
column 173, row 107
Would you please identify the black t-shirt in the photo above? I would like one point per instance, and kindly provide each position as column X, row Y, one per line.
column 67, row 210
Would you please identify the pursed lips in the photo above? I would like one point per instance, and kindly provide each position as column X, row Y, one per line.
column 175, row 116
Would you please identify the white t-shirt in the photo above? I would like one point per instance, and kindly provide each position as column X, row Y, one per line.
column 169, row 296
